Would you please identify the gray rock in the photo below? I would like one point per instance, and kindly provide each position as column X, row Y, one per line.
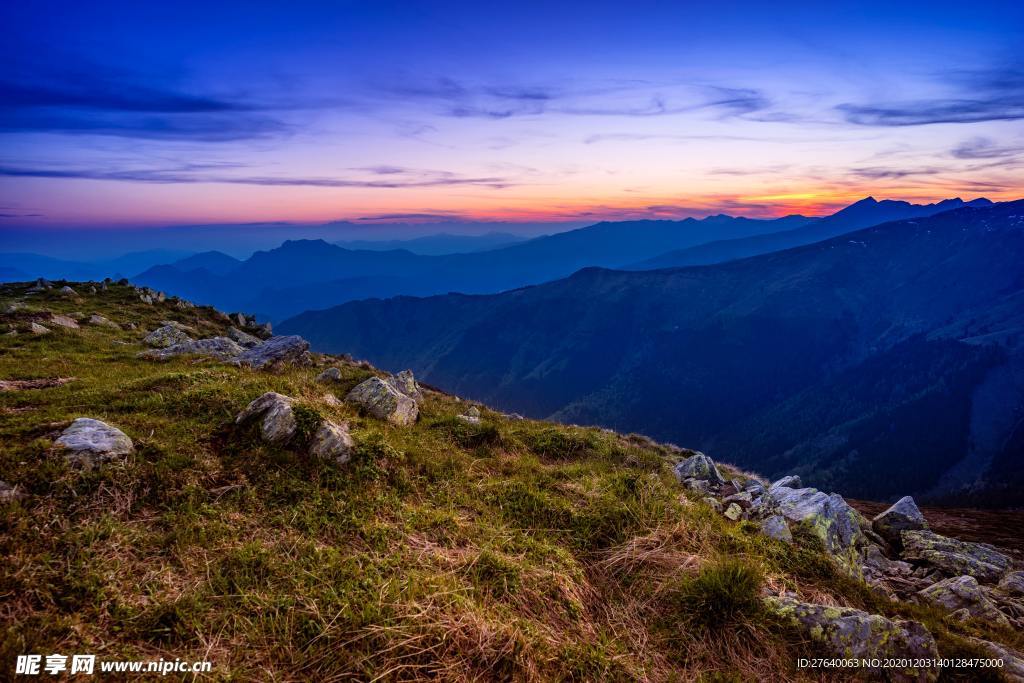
column 964, row 593
column 699, row 466
column 8, row 493
column 332, row 442
column 146, row 299
column 1013, row 583
column 733, row 512
column 41, row 285
column 67, row 291
column 91, row 442
column 902, row 516
column 406, row 383
column 743, row 499
column 384, row 402
column 777, row 528
column 827, row 516
column 715, row 504
column 167, row 336
column 791, row 482
column 290, row 349
column 849, row 633
column 954, row 557
column 220, row 348
column 243, row 338
column 36, row 328
column 240, row 319
column 698, row 485
column 1013, row 661
column 471, row 416
column 97, row 319
column 277, row 418
column 329, row 375
column 63, row 321
column 754, row 487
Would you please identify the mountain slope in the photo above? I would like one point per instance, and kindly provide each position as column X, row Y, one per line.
column 862, row 214
column 702, row 355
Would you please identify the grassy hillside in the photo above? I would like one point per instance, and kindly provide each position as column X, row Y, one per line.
column 515, row 549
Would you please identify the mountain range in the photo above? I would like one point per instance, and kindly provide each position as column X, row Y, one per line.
column 824, row 359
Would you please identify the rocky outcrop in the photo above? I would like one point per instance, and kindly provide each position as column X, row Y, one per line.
column 169, row 335
column 220, row 348
column 332, row 442
column 289, row 349
column 849, row 633
column 276, row 416
column 954, row 557
column 790, row 482
column 90, row 442
column 244, row 339
column 902, row 516
column 701, row 467
column 964, row 597
column 383, row 401
column 827, row 516
column 1013, row 661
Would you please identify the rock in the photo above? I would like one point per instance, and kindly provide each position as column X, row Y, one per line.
column 964, row 593
column 902, row 516
column 67, row 291
column 954, row 557
column 471, row 416
column 715, row 504
column 277, row 419
column 91, row 442
column 384, row 402
column 266, row 329
column 166, row 336
column 63, row 321
column 852, row 634
column 329, row 375
column 36, row 328
column 41, row 285
column 1013, row 661
column 698, row 485
column 275, row 351
column 244, row 339
column 754, row 488
column 733, row 512
column 777, row 528
column 330, row 399
column 791, row 482
column 8, row 493
column 699, row 466
column 220, row 348
column 1013, row 584
column 240, row 319
column 97, row 319
column 146, row 299
column 332, row 442
column 406, row 383
column 827, row 516
column 743, row 499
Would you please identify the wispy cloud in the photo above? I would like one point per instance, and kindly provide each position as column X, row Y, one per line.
column 985, row 148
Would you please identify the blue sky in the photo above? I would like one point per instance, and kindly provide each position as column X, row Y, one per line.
column 134, row 114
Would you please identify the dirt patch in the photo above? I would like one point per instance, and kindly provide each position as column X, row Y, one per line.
column 23, row 384
column 1001, row 528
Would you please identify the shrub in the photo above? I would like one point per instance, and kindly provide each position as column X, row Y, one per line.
column 723, row 592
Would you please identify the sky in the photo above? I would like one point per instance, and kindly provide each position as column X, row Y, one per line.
column 136, row 114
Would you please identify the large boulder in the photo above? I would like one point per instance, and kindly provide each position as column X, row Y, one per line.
column 166, row 336
column 243, row 338
column 220, row 348
column 954, row 557
column 383, row 401
column 701, row 467
column 332, row 442
column 827, row 516
column 275, row 351
column 406, row 383
column 91, row 442
column 962, row 594
column 848, row 633
column 790, row 481
column 276, row 416
column 902, row 516
column 1013, row 584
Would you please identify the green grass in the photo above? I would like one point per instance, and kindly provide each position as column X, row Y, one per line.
column 506, row 550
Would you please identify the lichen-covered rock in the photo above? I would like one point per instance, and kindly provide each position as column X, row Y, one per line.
column 715, row 504
column 733, row 512
column 790, row 482
column 277, row 418
column 964, row 593
column 220, row 348
column 743, row 499
column 701, row 467
column 166, row 336
column 63, row 321
column 777, row 528
column 754, row 488
column 91, row 442
column 827, row 516
column 331, row 442
column 1013, row 583
column 36, row 328
column 849, row 633
column 243, row 338
column 406, row 383
column 1013, row 661
column 471, row 416
column 902, row 516
column 329, row 375
column 954, row 557
column 102, row 321
column 288, row 349
column 384, row 402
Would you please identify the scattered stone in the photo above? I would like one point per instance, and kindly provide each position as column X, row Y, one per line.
column 777, row 528
column 36, row 328
column 902, row 516
column 471, row 416
column 275, row 351
column 92, row 442
column 828, row 517
column 67, row 291
column 715, row 504
column 220, row 348
column 97, row 319
column 699, row 466
column 243, row 338
column 790, row 482
column 733, row 512
column 1013, row 583
column 332, row 442
column 964, row 593
column 63, row 321
column 329, row 375
column 384, row 402
column 954, row 557
column 166, row 336
column 277, row 419
column 406, row 383
column 852, row 634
